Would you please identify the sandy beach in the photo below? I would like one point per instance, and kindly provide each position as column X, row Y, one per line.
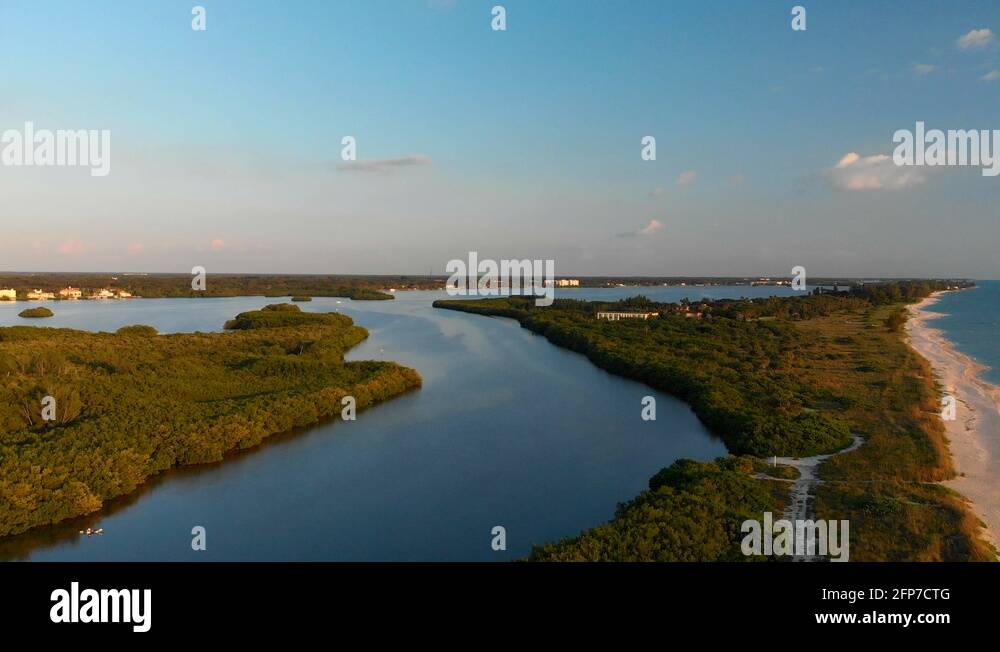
column 974, row 435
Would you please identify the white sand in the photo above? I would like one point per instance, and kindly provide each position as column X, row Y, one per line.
column 974, row 436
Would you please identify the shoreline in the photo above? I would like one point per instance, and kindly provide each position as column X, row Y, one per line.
column 974, row 435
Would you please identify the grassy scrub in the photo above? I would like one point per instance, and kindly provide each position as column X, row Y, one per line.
column 790, row 376
column 133, row 403
column 887, row 487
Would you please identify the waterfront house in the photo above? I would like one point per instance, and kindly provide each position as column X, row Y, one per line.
column 103, row 293
column 124, row 294
column 615, row 316
column 70, row 293
column 40, row 295
column 8, row 294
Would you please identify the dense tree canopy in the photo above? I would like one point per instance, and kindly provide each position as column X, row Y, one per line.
column 131, row 404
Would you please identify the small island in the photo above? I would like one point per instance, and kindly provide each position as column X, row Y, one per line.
column 35, row 313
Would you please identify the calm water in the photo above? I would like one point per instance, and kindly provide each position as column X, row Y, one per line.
column 972, row 322
column 507, row 430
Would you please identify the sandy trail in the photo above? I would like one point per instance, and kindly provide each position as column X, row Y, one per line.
column 974, row 435
column 799, row 507
column 800, row 494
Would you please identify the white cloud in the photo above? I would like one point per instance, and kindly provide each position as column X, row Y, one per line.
column 876, row 172
column 992, row 75
column 976, row 38
column 385, row 164
column 687, row 177
column 656, row 192
column 653, row 227
column 924, row 68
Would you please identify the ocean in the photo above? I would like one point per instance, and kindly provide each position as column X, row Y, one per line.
column 971, row 323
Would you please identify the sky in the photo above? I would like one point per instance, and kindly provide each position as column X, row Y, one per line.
column 226, row 143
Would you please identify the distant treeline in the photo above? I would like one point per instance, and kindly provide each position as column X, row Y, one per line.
column 224, row 285
column 130, row 404
column 656, row 281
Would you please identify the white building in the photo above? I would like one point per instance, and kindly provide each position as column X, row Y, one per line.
column 70, row 293
column 40, row 295
column 7, row 293
column 615, row 316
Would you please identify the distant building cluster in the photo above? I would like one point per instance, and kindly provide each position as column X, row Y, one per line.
column 67, row 293
column 615, row 316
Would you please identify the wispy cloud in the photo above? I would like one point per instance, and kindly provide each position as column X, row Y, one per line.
column 72, row 247
column 654, row 226
column 656, row 192
column 924, row 68
column 876, row 172
column 687, row 177
column 977, row 38
column 385, row 164
column 737, row 180
column 136, row 248
column 992, row 75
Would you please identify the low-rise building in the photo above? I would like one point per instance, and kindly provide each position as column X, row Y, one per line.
column 615, row 316
column 124, row 294
column 103, row 293
column 70, row 293
column 40, row 295
column 8, row 294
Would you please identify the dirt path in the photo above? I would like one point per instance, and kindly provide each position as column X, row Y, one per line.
column 800, row 505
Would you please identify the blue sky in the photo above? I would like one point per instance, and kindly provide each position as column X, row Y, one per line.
column 226, row 143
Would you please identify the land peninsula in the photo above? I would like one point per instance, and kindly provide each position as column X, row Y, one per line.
column 783, row 376
column 131, row 404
